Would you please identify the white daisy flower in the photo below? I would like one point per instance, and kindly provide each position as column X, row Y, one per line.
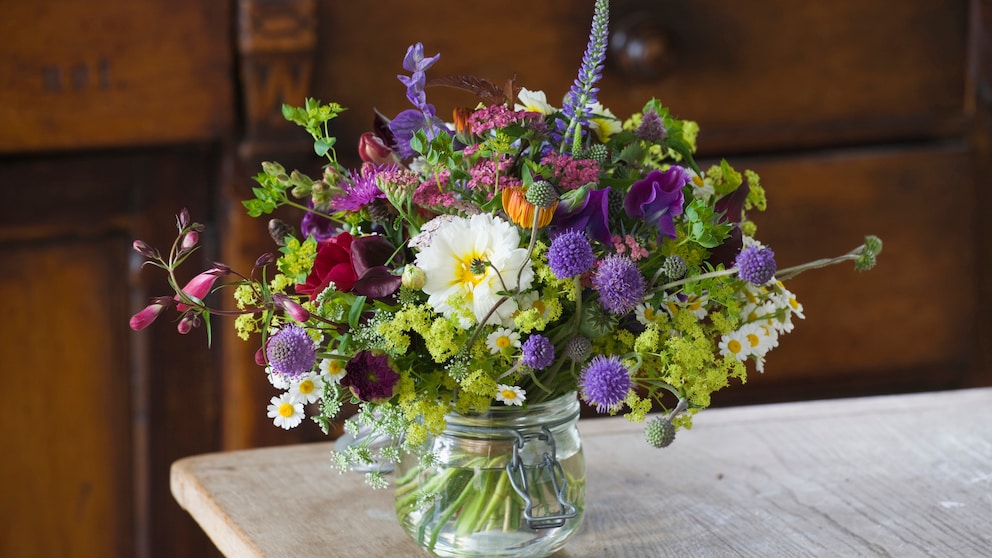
column 759, row 342
column 692, row 303
column 533, row 101
column 510, row 395
column 735, row 344
column 603, row 121
column 278, row 381
column 702, row 187
column 501, row 339
column 307, row 389
column 332, row 370
column 285, row 412
column 646, row 314
column 468, row 263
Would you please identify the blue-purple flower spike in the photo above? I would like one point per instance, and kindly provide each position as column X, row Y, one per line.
column 583, row 91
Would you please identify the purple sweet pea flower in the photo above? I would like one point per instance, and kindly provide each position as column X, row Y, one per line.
column 657, row 198
column 591, row 216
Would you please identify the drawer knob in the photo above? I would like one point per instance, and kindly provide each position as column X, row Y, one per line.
column 640, row 48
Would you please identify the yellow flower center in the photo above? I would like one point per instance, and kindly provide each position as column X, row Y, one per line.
column 334, row 366
column 793, row 303
column 509, row 394
column 286, row 410
column 502, row 342
column 753, row 339
column 465, row 274
column 734, row 346
column 306, row 386
column 649, row 314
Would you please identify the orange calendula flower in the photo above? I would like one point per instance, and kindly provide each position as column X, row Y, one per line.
column 521, row 211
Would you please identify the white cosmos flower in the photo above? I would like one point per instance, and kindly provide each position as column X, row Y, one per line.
column 468, row 262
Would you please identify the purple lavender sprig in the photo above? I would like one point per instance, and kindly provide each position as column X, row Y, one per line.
column 424, row 116
column 583, row 91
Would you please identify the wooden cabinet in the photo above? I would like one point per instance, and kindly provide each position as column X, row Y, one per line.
column 860, row 116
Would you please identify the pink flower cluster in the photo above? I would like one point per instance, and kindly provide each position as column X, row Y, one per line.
column 572, row 173
column 497, row 116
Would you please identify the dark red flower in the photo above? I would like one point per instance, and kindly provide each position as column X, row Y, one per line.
column 370, row 376
column 361, row 265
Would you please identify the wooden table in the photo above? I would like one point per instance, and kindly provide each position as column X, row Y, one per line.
column 907, row 475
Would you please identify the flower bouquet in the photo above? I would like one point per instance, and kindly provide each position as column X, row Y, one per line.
column 474, row 279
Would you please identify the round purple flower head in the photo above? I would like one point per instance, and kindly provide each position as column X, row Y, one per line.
column 570, row 254
column 756, row 264
column 605, row 382
column 538, row 351
column 369, row 376
column 620, row 284
column 291, row 351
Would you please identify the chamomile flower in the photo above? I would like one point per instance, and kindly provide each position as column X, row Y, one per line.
column 758, row 340
column 278, row 380
column 646, row 314
column 285, row 412
column 502, row 339
column 332, row 370
column 735, row 344
column 702, row 187
column 307, row 389
column 510, row 395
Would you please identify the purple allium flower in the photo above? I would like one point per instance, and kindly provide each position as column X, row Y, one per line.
column 291, row 351
column 605, row 382
column 620, row 284
column 538, row 351
column 657, row 198
column 570, row 254
column 592, row 216
column 756, row 264
column 370, row 377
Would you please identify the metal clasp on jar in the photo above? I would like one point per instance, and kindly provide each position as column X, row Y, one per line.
column 547, row 466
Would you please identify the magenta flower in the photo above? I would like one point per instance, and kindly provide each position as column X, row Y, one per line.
column 143, row 319
column 591, row 216
column 657, row 199
column 360, row 191
column 370, row 377
column 199, row 286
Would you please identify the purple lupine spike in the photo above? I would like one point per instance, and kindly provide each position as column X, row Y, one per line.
column 583, row 91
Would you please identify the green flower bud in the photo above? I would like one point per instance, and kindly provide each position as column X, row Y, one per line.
column 273, row 169
column 660, row 432
column 675, row 268
column 413, row 277
column 574, row 199
column 541, row 194
column 597, row 321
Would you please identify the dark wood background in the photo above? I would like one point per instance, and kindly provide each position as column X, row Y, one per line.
column 861, row 117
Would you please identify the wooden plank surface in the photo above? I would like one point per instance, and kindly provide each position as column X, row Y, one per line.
column 907, row 475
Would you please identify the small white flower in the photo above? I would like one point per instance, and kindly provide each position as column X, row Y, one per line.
column 285, row 412
column 501, row 339
column 735, row 344
column 510, row 395
column 759, row 342
column 702, row 186
column 307, row 389
column 277, row 380
column 332, row 370
column 646, row 314
column 533, row 101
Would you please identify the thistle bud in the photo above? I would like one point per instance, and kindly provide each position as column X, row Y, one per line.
column 413, row 277
column 280, row 231
column 660, row 432
column 541, row 193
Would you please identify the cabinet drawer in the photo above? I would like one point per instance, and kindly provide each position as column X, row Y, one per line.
column 913, row 317
column 761, row 74
column 113, row 73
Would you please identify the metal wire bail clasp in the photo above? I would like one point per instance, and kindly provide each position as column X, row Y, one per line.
column 548, row 466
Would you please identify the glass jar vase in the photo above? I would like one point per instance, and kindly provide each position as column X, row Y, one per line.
column 507, row 482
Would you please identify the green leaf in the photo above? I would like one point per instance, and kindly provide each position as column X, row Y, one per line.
column 355, row 313
column 321, row 147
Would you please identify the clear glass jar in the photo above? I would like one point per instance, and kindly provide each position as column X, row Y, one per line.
column 508, row 482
